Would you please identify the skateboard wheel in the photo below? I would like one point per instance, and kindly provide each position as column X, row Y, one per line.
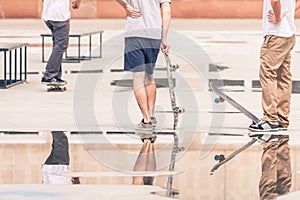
column 217, row 100
column 180, row 110
column 180, row 149
column 217, row 157
column 175, row 67
column 48, row 90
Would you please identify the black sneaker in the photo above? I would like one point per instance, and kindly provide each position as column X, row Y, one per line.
column 53, row 81
column 58, row 80
column 264, row 126
column 151, row 138
column 144, row 126
column 46, row 81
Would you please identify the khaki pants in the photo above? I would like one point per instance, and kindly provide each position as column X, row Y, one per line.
column 276, row 169
column 275, row 78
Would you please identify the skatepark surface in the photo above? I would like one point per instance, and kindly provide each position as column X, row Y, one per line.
column 99, row 97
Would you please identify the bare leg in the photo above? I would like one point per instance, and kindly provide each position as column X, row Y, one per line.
column 141, row 163
column 141, row 94
column 150, row 87
column 151, row 165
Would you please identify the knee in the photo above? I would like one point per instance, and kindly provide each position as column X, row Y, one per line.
column 61, row 47
column 148, row 79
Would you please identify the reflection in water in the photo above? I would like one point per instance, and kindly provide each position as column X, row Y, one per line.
column 276, row 168
column 145, row 161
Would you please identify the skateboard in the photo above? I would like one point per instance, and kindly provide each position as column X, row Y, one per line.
column 223, row 97
column 56, row 87
column 176, row 110
column 264, row 137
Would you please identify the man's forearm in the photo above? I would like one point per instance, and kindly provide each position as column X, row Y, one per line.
column 123, row 3
column 297, row 5
column 166, row 19
column 276, row 5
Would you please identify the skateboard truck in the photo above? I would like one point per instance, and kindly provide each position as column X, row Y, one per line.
column 179, row 110
column 174, row 67
column 219, row 158
column 56, row 88
column 219, row 100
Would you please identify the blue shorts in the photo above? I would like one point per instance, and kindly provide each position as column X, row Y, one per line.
column 141, row 54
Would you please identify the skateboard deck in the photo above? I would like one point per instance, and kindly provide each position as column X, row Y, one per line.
column 56, row 87
column 176, row 110
column 223, row 97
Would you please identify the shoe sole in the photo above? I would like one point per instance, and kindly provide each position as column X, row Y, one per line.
column 282, row 129
column 144, row 129
column 53, row 83
column 258, row 130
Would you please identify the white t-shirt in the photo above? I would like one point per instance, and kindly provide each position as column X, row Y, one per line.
column 149, row 24
column 50, row 174
column 286, row 28
column 56, row 10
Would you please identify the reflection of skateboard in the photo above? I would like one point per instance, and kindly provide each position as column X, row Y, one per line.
column 56, row 87
column 222, row 159
column 176, row 149
column 176, row 110
column 223, row 97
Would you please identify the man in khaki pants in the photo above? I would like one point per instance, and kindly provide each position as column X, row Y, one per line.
column 276, row 81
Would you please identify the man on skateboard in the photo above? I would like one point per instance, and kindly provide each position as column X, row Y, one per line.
column 276, row 81
column 56, row 14
column 147, row 24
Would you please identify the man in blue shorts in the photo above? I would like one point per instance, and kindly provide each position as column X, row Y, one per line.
column 147, row 25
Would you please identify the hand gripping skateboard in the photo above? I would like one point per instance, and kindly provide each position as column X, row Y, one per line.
column 223, row 97
column 175, row 109
column 56, row 87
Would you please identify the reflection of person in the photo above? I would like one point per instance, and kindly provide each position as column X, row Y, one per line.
column 56, row 14
column 145, row 162
column 147, row 25
column 276, row 177
column 58, row 160
column 75, row 180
